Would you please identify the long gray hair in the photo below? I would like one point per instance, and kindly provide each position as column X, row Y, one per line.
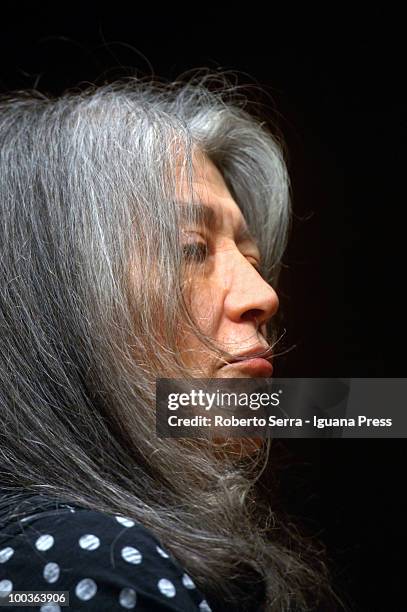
column 92, row 305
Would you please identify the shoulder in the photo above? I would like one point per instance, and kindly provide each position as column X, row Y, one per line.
column 106, row 562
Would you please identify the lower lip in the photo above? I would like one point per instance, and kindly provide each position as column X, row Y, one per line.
column 257, row 365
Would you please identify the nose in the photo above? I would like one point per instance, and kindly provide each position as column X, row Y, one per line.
column 249, row 296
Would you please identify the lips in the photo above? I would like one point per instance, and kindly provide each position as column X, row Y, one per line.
column 258, row 351
column 249, row 363
column 253, row 367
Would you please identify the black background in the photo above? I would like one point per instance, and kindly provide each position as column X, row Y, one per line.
column 336, row 80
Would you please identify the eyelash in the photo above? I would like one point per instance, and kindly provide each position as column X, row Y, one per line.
column 199, row 251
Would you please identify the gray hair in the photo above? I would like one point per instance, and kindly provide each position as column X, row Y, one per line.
column 91, row 308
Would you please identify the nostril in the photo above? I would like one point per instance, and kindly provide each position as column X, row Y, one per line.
column 252, row 314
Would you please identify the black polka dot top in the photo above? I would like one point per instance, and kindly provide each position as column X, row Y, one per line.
column 107, row 563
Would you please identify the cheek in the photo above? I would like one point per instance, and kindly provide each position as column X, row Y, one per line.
column 205, row 307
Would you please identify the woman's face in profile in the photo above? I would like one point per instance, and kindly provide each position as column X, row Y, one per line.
column 229, row 298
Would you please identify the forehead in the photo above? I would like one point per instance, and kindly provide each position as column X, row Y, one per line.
column 214, row 205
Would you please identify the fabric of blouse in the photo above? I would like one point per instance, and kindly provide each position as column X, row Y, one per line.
column 105, row 562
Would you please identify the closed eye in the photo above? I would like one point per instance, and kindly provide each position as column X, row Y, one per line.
column 195, row 251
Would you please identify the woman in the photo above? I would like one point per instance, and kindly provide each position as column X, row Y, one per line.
column 142, row 229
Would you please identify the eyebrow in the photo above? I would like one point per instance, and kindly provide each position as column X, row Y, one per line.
column 204, row 215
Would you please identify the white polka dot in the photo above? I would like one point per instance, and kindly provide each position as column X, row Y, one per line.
column 6, row 586
column 188, row 582
column 44, row 542
column 166, row 587
column 86, row 589
column 89, row 542
column 204, row 606
column 162, row 552
column 123, row 520
column 6, row 554
column 128, row 598
column 51, row 572
column 131, row 555
column 50, row 607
